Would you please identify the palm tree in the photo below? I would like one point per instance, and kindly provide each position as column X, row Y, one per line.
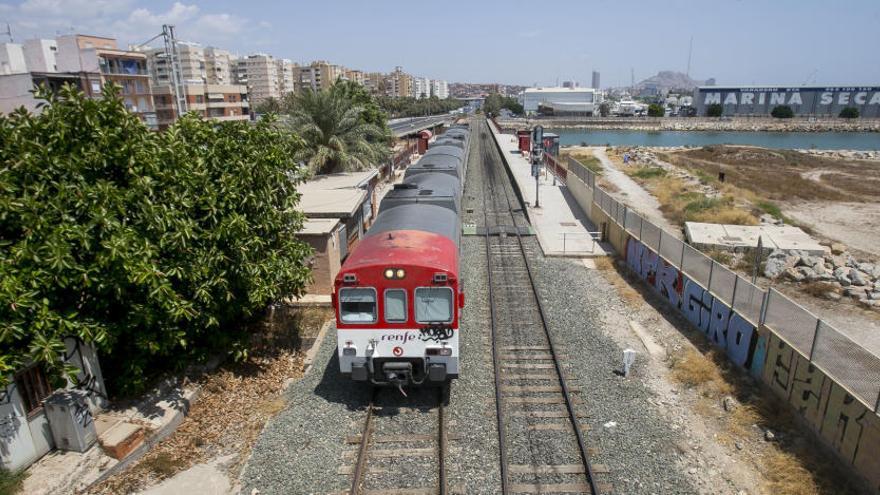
column 336, row 138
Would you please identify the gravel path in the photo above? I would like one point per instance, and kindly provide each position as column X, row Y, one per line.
column 303, row 447
column 634, row 195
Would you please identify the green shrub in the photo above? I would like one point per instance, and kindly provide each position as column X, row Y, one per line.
column 10, row 482
column 153, row 246
column 849, row 113
column 714, row 110
column 649, row 172
column 782, row 112
column 656, row 110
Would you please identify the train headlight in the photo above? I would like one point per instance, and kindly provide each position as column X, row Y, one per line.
column 400, row 273
column 349, row 349
column 389, row 273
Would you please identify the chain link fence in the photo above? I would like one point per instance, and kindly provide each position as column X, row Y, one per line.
column 846, row 362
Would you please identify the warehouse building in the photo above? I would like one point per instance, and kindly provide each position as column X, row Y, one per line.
column 559, row 101
column 804, row 101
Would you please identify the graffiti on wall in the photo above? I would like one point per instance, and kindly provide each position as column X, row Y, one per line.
column 846, row 424
column 722, row 326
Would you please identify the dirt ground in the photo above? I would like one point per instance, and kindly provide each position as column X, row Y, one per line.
column 726, row 415
column 855, row 224
column 236, row 401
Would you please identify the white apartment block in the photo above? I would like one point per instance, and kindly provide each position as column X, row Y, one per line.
column 12, row 59
column 190, row 56
column 220, row 66
column 285, row 76
column 440, row 89
column 421, row 87
column 262, row 78
column 40, row 55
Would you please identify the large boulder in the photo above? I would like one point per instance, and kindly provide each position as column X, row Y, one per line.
column 841, row 274
column 837, row 248
column 858, row 278
column 794, row 274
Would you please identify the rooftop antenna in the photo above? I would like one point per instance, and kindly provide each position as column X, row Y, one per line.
column 9, row 33
column 690, row 52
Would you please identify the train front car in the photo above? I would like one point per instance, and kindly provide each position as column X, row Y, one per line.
column 398, row 299
column 398, row 296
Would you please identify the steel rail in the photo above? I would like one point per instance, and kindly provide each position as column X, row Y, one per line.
column 585, row 457
column 499, row 409
column 360, row 465
column 441, row 428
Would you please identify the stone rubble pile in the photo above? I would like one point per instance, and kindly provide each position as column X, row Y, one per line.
column 845, row 276
column 845, row 154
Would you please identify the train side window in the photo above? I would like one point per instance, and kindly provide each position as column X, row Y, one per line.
column 434, row 304
column 357, row 305
column 395, row 305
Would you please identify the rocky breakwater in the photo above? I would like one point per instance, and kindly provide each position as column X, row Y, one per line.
column 845, row 154
column 832, row 276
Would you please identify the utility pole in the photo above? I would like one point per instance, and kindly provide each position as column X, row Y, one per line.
column 537, row 158
column 690, row 52
column 9, row 33
column 173, row 57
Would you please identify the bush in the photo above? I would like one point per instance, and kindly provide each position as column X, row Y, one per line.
column 782, row 112
column 714, row 110
column 849, row 113
column 656, row 110
column 648, row 172
column 153, row 246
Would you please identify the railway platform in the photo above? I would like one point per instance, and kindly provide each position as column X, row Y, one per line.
column 563, row 230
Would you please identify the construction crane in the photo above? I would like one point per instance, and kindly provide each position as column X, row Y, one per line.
column 811, row 77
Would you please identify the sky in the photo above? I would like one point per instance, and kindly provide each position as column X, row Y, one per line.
column 772, row 42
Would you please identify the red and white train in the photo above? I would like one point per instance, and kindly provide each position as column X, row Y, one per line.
column 398, row 296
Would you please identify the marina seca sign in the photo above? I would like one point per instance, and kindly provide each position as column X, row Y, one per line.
column 792, row 96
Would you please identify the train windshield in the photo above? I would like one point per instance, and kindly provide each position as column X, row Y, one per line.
column 395, row 305
column 357, row 305
column 434, row 305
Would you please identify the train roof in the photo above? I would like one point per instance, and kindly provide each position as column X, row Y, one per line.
column 408, row 193
column 403, row 247
column 448, row 142
column 418, row 216
column 446, row 150
column 431, row 180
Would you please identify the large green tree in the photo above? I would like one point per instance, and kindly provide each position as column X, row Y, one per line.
column 337, row 135
column 153, row 246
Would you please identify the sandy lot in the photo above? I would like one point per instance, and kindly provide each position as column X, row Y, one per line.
column 855, row 224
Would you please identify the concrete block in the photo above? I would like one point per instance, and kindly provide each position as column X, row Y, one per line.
column 121, row 439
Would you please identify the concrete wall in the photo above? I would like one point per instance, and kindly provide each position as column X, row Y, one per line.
column 846, row 425
column 23, row 439
column 325, row 263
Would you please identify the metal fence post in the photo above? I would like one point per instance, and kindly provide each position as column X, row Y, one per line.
column 711, row 269
column 735, row 283
column 765, row 302
column 815, row 338
column 624, row 217
column 681, row 265
column 641, row 224
column 660, row 243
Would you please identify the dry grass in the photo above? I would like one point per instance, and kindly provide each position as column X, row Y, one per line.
column 818, row 289
column 680, row 203
column 700, row 372
column 787, row 475
column 604, row 263
column 588, row 161
column 163, row 464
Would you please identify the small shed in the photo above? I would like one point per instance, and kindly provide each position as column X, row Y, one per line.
column 424, row 137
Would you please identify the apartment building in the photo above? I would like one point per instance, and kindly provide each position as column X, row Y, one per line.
column 190, row 58
column 375, row 82
column 221, row 102
column 39, row 55
column 12, row 59
column 220, row 66
column 440, row 89
column 398, row 84
column 421, row 87
column 262, row 78
column 356, row 76
column 100, row 62
column 318, row 75
column 286, row 81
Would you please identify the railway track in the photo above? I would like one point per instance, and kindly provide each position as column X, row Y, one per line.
column 395, row 455
column 541, row 440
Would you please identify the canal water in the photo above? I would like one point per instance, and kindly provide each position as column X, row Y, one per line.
column 788, row 140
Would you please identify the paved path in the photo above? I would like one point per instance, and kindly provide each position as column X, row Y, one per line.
column 561, row 226
column 634, row 195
